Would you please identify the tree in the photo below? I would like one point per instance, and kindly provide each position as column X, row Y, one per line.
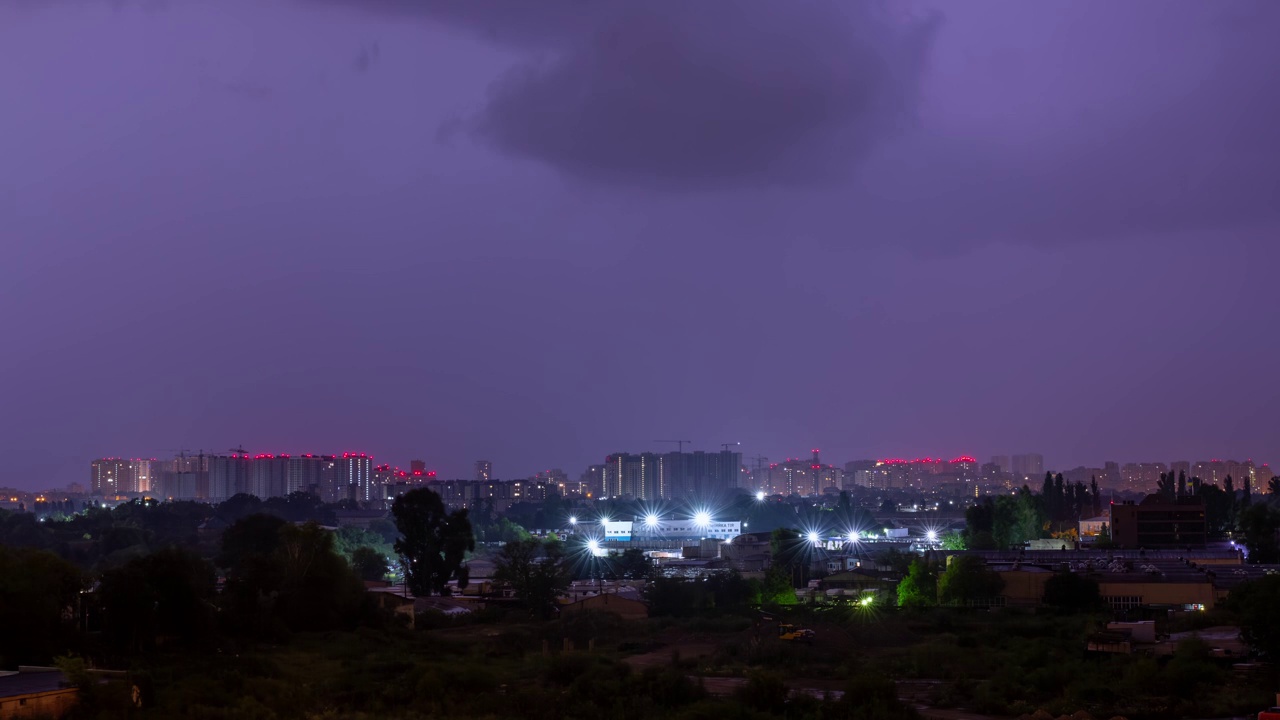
column 318, row 590
column 1258, row 524
column 294, row 581
column 1255, row 603
column 368, row 563
column 777, row 588
column 1104, row 538
column 38, row 590
column 730, row 591
column 254, row 534
column 1166, row 486
column 1072, row 592
column 920, row 587
column 239, row 506
column 1217, row 508
column 433, row 542
column 536, row 572
column 1273, row 485
column 166, row 594
column 968, row 580
column 979, row 525
column 953, row 540
column 632, row 565
column 1095, row 496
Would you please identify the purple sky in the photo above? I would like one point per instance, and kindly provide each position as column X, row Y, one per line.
column 541, row 232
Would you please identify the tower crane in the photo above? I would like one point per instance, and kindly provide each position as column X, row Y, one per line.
column 726, row 446
column 679, row 443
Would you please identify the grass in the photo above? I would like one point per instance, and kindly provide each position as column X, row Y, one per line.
column 494, row 667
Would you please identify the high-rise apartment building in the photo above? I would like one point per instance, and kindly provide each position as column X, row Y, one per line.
column 215, row 478
column 230, row 475
column 353, row 479
column 1142, row 476
column 484, row 470
column 641, row 476
column 1002, row 462
column 110, row 476
column 669, row 476
column 804, row 476
column 593, row 479
column 1026, row 467
column 117, row 476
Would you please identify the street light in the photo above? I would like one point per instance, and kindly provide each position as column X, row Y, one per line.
column 702, row 519
column 932, row 535
column 651, row 521
column 573, row 519
column 853, row 536
column 759, row 496
column 813, row 538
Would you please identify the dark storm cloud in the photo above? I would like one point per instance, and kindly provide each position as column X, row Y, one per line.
column 1123, row 121
column 697, row 93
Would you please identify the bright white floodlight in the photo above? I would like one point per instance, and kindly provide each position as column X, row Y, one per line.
column 760, row 495
column 573, row 519
column 853, row 536
column 651, row 520
column 813, row 538
column 593, row 546
column 932, row 536
column 702, row 519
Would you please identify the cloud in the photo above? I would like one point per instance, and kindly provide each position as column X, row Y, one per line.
column 694, row 93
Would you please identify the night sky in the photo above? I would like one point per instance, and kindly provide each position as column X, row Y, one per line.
column 539, row 232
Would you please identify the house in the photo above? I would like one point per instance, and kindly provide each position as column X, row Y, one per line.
column 35, row 692
column 1092, row 527
column 628, row 608
column 390, row 598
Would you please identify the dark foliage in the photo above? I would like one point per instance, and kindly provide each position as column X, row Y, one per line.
column 433, row 541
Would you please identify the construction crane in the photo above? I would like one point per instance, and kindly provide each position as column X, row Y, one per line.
column 726, row 446
column 758, row 476
column 239, row 450
column 679, row 443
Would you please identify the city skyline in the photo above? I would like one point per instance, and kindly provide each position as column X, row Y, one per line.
column 928, row 230
column 815, row 473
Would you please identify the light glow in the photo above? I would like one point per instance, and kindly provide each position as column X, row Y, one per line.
column 651, row 520
column 573, row 519
column 932, row 535
column 702, row 519
column 760, row 495
column 813, row 538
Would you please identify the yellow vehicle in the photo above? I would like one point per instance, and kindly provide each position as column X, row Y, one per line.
column 786, row 631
